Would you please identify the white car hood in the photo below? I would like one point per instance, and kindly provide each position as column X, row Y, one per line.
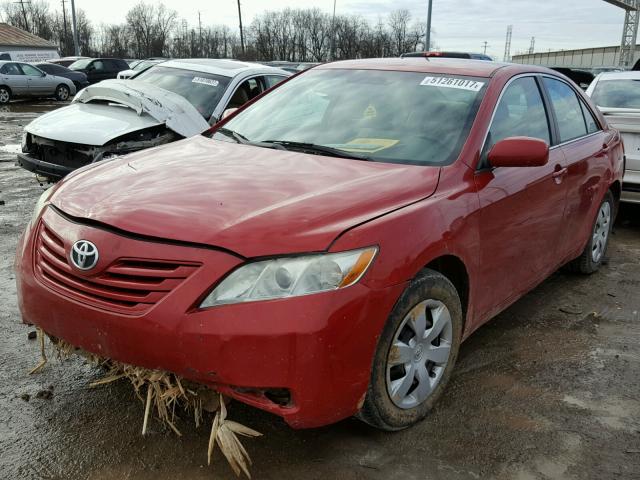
column 131, row 106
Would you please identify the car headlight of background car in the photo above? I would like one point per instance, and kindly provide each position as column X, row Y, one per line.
column 292, row 277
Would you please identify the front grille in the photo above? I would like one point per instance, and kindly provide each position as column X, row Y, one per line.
column 128, row 285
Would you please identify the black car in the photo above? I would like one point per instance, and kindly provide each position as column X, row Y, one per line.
column 98, row 69
column 79, row 79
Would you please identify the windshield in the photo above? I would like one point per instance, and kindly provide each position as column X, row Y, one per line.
column 387, row 116
column 202, row 90
column 79, row 64
column 617, row 93
column 144, row 64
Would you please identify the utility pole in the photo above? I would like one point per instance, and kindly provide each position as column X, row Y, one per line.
column 66, row 34
column 484, row 47
column 332, row 54
column 532, row 46
column 241, row 33
column 507, row 44
column 200, row 28
column 24, row 14
column 428, row 39
column 76, row 47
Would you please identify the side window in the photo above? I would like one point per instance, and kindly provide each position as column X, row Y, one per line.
column 567, row 108
column 272, row 80
column 30, row 71
column 246, row 91
column 98, row 66
column 592, row 124
column 520, row 113
column 11, row 69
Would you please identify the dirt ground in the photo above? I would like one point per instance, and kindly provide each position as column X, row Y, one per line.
column 550, row 389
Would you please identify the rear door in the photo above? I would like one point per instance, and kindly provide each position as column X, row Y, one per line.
column 522, row 208
column 13, row 76
column 585, row 148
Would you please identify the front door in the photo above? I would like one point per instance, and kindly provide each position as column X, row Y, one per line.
column 38, row 83
column 522, row 208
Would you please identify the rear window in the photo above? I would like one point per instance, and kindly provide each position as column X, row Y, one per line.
column 202, row 90
column 623, row 93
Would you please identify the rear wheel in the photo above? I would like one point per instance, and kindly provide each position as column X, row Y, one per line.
column 594, row 252
column 415, row 355
column 5, row 95
column 62, row 93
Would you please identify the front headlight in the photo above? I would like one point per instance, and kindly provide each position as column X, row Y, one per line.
column 291, row 277
column 42, row 201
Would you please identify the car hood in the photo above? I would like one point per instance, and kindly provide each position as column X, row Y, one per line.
column 111, row 108
column 251, row 200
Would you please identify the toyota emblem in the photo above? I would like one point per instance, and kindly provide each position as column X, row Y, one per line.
column 84, row 255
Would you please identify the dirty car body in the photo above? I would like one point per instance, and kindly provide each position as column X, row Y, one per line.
column 175, row 100
column 269, row 267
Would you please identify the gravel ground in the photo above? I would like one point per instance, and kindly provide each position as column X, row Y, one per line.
column 548, row 389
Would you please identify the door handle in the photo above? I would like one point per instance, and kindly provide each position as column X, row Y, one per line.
column 559, row 173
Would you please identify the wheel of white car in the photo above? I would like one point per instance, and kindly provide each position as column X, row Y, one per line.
column 416, row 354
column 62, row 92
column 5, row 95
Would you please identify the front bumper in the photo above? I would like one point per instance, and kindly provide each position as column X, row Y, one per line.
column 318, row 347
column 50, row 170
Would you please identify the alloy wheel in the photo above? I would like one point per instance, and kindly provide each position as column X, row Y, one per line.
column 4, row 96
column 419, row 353
column 601, row 232
column 63, row 93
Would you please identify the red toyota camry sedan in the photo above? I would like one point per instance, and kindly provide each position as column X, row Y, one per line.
column 324, row 251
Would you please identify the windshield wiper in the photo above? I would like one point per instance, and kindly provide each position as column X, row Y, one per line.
column 318, row 149
column 238, row 137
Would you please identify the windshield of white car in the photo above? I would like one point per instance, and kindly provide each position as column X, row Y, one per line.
column 202, row 90
column 386, row 116
column 622, row 93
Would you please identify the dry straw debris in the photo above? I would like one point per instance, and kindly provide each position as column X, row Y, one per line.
column 164, row 393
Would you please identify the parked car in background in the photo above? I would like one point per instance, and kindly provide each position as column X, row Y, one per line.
column 79, row 79
column 167, row 102
column 582, row 78
column 293, row 67
column 140, row 66
column 326, row 250
column 98, row 69
column 66, row 61
column 472, row 56
column 22, row 80
column 617, row 95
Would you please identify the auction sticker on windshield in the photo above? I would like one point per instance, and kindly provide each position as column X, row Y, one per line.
column 205, row 81
column 450, row 82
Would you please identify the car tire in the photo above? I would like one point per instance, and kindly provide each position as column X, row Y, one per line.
column 595, row 251
column 5, row 95
column 400, row 359
column 62, row 93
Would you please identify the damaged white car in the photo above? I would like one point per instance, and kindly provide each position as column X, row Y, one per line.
column 168, row 102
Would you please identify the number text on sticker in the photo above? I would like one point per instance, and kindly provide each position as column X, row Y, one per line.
column 449, row 82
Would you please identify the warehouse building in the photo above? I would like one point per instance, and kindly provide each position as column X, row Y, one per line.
column 21, row 46
column 586, row 58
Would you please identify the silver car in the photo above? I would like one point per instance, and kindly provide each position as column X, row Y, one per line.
column 167, row 102
column 617, row 95
column 24, row 80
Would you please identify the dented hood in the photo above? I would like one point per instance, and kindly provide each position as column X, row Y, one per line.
column 111, row 108
column 251, row 200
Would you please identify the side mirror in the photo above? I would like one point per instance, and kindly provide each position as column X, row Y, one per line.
column 228, row 112
column 519, row 152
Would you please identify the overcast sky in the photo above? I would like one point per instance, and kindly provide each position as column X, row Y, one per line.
column 457, row 24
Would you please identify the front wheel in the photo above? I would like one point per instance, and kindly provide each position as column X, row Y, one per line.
column 594, row 252
column 62, row 93
column 5, row 95
column 415, row 354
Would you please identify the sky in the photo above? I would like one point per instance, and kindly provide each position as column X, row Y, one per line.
column 457, row 24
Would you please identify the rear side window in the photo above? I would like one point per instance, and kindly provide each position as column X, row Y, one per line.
column 520, row 113
column 272, row 80
column 592, row 125
column 567, row 108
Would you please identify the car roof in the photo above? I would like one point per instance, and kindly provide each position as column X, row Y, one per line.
column 631, row 75
column 222, row 67
column 457, row 66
